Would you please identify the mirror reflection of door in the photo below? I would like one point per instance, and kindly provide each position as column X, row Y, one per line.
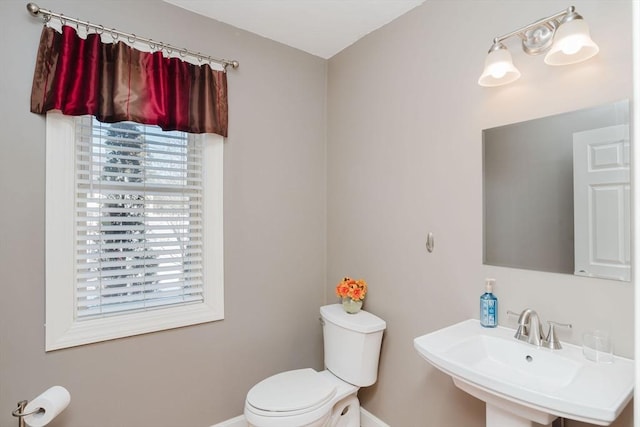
column 602, row 202
column 529, row 208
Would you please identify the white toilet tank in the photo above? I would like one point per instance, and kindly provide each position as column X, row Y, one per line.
column 352, row 344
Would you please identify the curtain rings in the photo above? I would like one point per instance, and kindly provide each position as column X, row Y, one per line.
column 132, row 38
column 152, row 45
column 100, row 29
column 63, row 20
column 184, row 52
column 114, row 34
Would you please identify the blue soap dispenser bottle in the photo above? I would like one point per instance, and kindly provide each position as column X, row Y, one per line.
column 489, row 306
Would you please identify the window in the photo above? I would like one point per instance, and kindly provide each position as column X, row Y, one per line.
column 133, row 230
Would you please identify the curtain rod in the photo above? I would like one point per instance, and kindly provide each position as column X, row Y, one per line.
column 36, row 11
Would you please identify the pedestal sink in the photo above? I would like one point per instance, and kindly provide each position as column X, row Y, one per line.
column 522, row 383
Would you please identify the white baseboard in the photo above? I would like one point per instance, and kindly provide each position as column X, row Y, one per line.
column 238, row 421
column 367, row 419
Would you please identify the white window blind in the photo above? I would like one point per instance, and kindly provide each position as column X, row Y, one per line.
column 134, row 230
column 138, row 223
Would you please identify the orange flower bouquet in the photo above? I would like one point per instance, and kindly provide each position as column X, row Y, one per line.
column 352, row 293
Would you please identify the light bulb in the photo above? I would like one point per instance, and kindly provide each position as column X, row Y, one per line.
column 571, row 47
column 499, row 72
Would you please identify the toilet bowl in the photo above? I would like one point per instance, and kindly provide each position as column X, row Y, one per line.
column 308, row 398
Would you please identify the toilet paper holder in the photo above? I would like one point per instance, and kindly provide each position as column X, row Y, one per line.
column 20, row 414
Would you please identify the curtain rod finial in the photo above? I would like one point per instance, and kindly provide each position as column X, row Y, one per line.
column 33, row 9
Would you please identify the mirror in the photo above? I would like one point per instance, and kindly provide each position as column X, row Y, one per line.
column 556, row 193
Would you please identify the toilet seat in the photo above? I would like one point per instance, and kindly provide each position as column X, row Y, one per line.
column 291, row 393
column 324, row 390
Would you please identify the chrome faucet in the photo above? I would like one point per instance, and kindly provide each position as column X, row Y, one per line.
column 530, row 330
column 529, row 327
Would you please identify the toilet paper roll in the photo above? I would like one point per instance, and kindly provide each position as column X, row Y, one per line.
column 52, row 401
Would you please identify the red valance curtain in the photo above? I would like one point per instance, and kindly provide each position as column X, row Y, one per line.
column 115, row 82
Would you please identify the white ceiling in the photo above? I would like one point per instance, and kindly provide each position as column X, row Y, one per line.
column 320, row 27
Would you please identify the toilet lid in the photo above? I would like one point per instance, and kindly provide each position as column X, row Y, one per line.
column 291, row 391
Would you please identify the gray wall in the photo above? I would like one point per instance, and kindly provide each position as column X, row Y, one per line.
column 274, row 236
column 403, row 151
column 405, row 116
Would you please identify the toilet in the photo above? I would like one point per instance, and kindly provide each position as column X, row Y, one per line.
column 308, row 398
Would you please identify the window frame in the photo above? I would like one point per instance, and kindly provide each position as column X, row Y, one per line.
column 62, row 330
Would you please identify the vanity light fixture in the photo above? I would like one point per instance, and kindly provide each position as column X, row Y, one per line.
column 564, row 36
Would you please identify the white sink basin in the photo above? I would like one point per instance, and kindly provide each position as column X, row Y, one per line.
column 531, row 383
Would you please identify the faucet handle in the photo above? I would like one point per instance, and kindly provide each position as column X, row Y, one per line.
column 522, row 333
column 552, row 341
column 513, row 314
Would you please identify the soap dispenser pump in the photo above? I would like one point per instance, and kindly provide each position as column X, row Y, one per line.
column 489, row 306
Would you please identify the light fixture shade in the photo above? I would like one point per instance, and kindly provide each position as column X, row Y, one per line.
column 498, row 69
column 572, row 43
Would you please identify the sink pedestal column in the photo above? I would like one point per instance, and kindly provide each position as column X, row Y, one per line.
column 505, row 413
column 498, row 417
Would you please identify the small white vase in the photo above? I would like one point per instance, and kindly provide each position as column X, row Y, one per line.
column 351, row 306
